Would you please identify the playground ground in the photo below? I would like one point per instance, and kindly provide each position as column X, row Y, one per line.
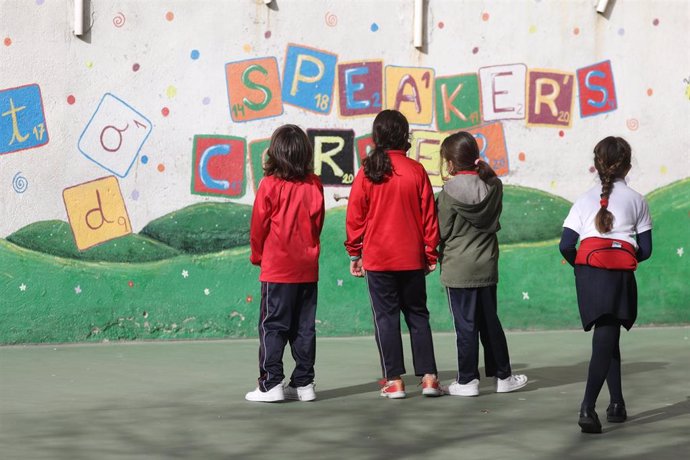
column 185, row 399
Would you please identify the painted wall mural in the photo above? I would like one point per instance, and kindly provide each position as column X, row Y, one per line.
column 114, row 135
column 131, row 220
column 23, row 122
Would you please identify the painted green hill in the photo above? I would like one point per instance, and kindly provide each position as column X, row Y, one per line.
column 203, row 228
column 663, row 279
column 54, row 237
column 197, row 229
column 52, row 299
column 531, row 215
column 528, row 215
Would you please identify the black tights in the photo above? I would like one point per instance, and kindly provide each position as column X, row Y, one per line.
column 605, row 363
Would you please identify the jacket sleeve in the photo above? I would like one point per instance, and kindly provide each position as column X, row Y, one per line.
column 567, row 245
column 260, row 223
column 356, row 219
column 446, row 217
column 321, row 213
column 429, row 221
column 644, row 245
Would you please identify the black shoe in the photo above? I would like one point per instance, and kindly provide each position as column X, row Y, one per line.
column 589, row 421
column 616, row 413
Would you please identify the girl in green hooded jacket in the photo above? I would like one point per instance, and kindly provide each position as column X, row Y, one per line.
column 469, row 207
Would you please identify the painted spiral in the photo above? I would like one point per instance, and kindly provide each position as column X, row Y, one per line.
column 632, row 124
column 331, row 19
column 19, row 183
column 119, row 20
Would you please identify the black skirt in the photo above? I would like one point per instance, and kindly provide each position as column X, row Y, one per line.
column 605, row 292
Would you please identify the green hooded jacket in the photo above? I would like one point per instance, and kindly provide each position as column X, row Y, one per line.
column 468, row 213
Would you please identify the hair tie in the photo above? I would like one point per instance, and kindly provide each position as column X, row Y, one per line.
column 476, row 162
column 604, row 202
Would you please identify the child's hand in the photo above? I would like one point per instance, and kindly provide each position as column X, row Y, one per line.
column 430, row 268
column 356, row 268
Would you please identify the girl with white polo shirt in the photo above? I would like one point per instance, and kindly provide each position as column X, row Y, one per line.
column 614, row 227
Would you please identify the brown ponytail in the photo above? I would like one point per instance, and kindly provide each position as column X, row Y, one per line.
column 612, row 161
column 484, row 170
column 377, row 166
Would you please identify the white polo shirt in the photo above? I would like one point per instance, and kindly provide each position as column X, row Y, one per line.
column 629, row 208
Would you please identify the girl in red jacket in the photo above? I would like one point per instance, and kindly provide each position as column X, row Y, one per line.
column 392, row 234
column 285, row 228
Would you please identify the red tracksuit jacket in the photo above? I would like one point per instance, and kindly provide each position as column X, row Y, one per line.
column 286, row 226
column 393, row 225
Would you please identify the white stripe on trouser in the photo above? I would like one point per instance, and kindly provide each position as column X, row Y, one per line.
column 378, row 333
column 457, row 376
column 263, row 338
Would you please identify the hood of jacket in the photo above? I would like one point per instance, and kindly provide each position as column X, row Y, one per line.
column 478, row 202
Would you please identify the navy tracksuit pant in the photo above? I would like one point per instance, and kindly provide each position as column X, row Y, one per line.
column 392, row 292
column 475, row 315
column 288, row 313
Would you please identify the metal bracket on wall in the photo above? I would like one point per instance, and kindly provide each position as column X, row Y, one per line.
column 78, row 17
column 418, row 21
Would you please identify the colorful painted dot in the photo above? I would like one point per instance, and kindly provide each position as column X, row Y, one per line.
column 485, row 16
column 650, row 91
column 553, row 184
column 89, row 64
column 561, row 133
column 171, row 92
column 195, row 54
column 576, row 31
column 40, row 2
column 532, row 29
column 374, row 27
column 475, row 50
column 621, row 31
column 441, row 25
column 7, row 41
column 165, row 111
column 655, row 22
column 169, row 15
column 592, row 169
column 161, row 167
column 71, row 99
column 206, row 101
column 144, row 159
column 267, row 34
column 663, row 169
column 130, row 283
column 135, row 195
column 136, row 67
column 521, row 156
column 247, row 47
column 249, row 298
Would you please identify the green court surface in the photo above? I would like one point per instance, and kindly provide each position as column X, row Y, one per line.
column 159, row 400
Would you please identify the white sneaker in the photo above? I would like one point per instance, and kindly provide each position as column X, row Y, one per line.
column 512, row 383
column 305, row 393
column 460, row 389
column 275, row 394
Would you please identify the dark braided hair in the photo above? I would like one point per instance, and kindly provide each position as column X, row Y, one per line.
column 612, row 161
column 390, row 132
column 462, row 151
